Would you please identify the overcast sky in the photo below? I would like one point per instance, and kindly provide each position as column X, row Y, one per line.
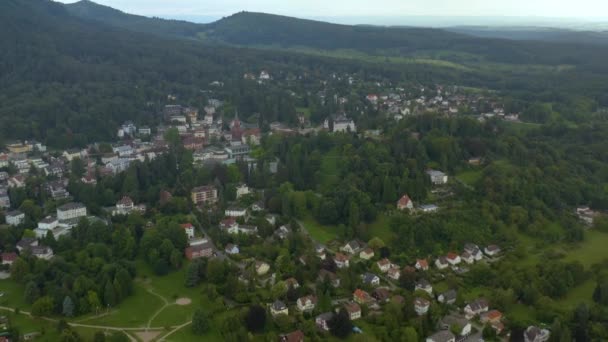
column 365, row 8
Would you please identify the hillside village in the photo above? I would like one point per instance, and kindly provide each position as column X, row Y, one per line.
column 216, row 137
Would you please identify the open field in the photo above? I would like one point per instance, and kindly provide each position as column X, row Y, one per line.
column 319, row 232
column 381, row 229
column 469, row 177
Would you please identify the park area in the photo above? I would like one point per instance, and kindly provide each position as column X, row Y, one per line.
column 160, row 308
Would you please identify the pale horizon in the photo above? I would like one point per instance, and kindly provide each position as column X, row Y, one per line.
column 388, row 12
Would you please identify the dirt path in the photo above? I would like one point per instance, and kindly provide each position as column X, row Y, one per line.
column 175, row 329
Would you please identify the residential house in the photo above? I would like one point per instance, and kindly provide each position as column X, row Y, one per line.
column 351, row 247
column 366, row 254
column 424, row 285
column 42, row 252
column 204, row 250
column 278, row 308
column 394, row 273
column 261, row 268
column 340, row 123
column 48, row 224
column 204, row 195
column 322, row 320
column 71, row 211
column 8, row 258
column 381, row 294
column 492, row 316
column 294, row 336
column 536, row 334
column 292, row 283
column 442, row 263
column 126, row 206
column 235, row 212
column 370, row 279
column 341, row 260
column 475, row 308
column 421, row 306
column 453, row 259
column 14, row 218
column 283, row 232
column 26, row 244
column 437, row 177
column 306, row 303
column 242, row 190
column 448, row 297
column 453, row 321
column 474, row 250
column 232, row 249
column 442, row 336
column 362, row 297
column 325, row 275
column 422, row 265
column 405, row 203
column 384, row 265
column 188, row 229
column 428, row 208
column 353, row 310
column 492, row 250
column 16, row 181
column 467, row 258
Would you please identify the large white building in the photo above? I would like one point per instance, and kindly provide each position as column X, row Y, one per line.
column 14, row 218
column 71, row 211
column 437, row 177
column 341, row 124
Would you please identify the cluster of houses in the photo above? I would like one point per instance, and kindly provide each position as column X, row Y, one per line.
column 211, row 139
column 399, row 102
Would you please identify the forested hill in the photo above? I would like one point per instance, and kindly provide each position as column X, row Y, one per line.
column 175, row 28
column 274, row 31
column 67, row 81
column 534, row 33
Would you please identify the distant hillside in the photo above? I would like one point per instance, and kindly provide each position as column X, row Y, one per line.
column 274, row 31
column 89, row 10
column 534, row 33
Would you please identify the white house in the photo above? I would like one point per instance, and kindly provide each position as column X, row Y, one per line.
column 437, row 177
column 421, row 306
column 442, row 336
column 453, row 259
column 14, row 218
column 71, row 211
column 232, row 249
column 278, row 308
column 492, row 250
column 428, row 208
column 475, row 308
column 384, row 265
column 242, row 190
column 535, row 334
column 307, row 303
column 370, row 279
column 42, row 252
column 424, row 285
column 235, row 212
column 188, row 229
column 442, row 263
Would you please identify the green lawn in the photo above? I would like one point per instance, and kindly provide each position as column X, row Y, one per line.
column 319, row 232
column 581, row 294
column 469, row 177
column 135, row 311
column 185, row 335
column 591, row 251
column 381, row 229
column 13, row 294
